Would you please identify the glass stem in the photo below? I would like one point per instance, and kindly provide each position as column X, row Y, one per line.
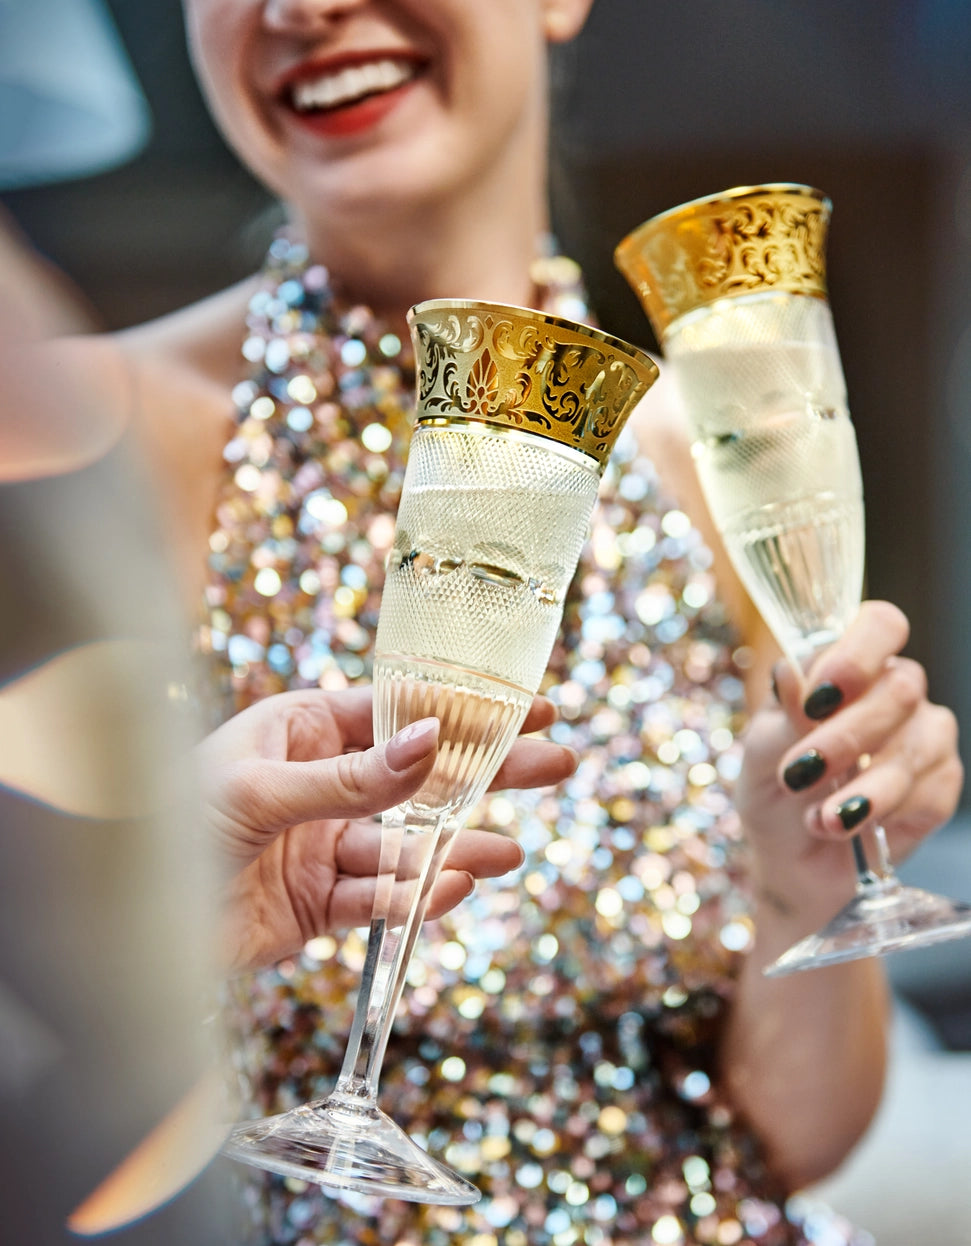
column 884, row 874
column 866, row 879
column 419, row 843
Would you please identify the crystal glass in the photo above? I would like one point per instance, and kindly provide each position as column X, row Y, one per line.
column 517, row 413
column 735, row 287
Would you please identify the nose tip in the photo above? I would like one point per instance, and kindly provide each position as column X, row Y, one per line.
column 307, row 16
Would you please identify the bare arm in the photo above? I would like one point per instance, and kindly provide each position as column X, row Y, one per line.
column 803, row 1058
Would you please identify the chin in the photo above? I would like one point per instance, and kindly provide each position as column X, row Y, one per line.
column 383, row 186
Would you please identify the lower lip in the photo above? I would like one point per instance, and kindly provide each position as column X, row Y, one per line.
column 354, row 118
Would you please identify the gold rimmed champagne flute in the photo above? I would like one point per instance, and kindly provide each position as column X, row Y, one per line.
column 517, row 413
column 734, row 285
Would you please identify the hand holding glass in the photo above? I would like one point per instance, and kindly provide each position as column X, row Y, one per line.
column 517, row 414
column 735, row 287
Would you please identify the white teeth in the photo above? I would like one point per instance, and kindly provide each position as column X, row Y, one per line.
column 330, row 90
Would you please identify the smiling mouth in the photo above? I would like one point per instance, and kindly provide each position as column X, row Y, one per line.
column 330, row 91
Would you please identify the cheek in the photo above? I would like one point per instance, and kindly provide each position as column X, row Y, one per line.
column 506, row 93
column 217, row 31
column 509, row 69
column 221, row 33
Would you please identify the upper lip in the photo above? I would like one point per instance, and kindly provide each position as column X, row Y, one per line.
column 319, row 67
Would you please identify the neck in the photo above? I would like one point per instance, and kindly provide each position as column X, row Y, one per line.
column 476, row 243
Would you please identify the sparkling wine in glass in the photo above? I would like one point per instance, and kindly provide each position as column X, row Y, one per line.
column 517, row 414
column 734, row 285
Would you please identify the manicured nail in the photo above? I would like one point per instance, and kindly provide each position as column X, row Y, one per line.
column 775, row 684
column 804, row 771
column 853, row 811
column 411, row 743
column 822, row 701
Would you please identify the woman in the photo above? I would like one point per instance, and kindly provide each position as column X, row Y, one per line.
column 623, row 1074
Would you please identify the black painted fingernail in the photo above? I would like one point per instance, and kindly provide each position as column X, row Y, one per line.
column 804, row 771
column 775, row 685
column 822, row 701
column 853, row 811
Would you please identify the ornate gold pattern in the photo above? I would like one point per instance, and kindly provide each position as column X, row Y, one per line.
column 523, row 369
column 741, row 241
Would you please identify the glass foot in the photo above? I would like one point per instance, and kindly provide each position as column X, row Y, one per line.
column 348, row 1147
column 878, row 920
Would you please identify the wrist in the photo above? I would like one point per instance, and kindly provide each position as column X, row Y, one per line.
column 786, row 911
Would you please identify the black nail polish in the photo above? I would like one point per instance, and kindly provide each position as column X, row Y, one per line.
column 804, row 771
column 822, row 701
column 853, row 811
column 775, row 685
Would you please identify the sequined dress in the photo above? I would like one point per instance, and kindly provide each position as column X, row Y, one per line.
column 556, row 1039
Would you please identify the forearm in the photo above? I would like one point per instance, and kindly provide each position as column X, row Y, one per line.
column 803, row 1057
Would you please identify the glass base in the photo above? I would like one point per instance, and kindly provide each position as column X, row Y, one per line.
column 879, row 919
column 348, row 1147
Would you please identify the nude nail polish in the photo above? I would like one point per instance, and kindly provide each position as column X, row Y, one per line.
column 411, row 743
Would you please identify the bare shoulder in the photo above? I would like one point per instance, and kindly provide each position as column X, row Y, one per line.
column 182, row 369
column 164, row 390
column 198, row 344
column 663, row 433
column 192, row 353
column 661, row 425
column 192, row 350
column 74, row 390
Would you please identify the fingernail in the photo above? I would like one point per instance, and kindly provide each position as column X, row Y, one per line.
column 822, row 701
column 853, row 811
column 411, row 743
column 804, row 771
column 775, row 684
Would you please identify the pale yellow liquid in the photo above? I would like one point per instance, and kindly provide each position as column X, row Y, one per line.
column 488, row 535
column 795, row 535
column 480, row 718
column 777, row 459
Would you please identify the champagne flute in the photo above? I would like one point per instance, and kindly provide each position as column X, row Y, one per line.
column 734, row 285
column 517, row 413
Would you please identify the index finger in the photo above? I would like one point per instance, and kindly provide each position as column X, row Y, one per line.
column 540, row 714
column 845, row 670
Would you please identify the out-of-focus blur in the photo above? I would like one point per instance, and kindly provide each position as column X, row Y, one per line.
column 106, row 887
column 70, row 105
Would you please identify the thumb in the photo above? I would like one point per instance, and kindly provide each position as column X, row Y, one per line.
column 272, row 795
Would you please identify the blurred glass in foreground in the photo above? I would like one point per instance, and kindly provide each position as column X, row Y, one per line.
column 107, row 1110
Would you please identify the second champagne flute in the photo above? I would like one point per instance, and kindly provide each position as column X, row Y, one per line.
column 734, row 285
column 517, row 414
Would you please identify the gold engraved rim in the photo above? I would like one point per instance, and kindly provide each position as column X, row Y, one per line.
column 527, row 370
column 746, row 240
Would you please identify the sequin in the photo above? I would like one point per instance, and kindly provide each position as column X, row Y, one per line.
column 557, row 1037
